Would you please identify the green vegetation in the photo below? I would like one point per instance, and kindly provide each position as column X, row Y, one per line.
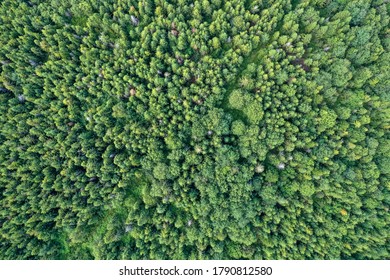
column 179, row 129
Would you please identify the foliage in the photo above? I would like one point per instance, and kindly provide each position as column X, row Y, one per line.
column 194, row 129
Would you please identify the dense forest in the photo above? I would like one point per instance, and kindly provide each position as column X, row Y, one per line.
column 186, row 129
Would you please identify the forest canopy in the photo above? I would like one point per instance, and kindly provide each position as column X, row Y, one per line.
column 208, row 129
